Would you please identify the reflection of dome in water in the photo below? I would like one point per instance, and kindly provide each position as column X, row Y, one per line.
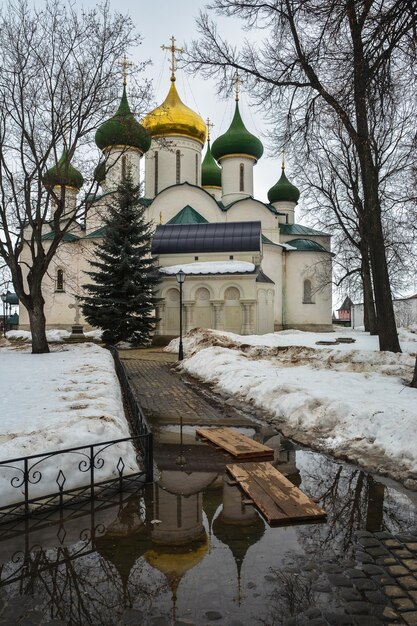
column 181, row 483
column 239, row 537
column 175, row 561
column 212, row 499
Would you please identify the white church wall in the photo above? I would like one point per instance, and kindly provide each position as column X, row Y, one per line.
column 288, row 208
column 119, row 161
column 237, row 177
column 172, row 200
column 272, row 266
column 171, row 161
column 249, row 210
column 314, row 315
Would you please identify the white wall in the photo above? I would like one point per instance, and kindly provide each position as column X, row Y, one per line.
column 166, row 149
column 231, row 177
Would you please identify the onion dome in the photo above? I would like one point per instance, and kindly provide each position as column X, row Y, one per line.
column 123, row 130
column 63, row 173
column 211, row 173
column 283, row 190
column 174, row 118
column 237, row 140
column 100, row 172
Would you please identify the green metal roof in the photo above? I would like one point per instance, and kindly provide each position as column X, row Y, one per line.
column 268, row 241
column 100, row 232
column 63, row 173
column 188, row 215
column 306, row 245
column 283, row 190
column 67, row 237
column 211, row 173
column 297, row 229
column 237, row 140
column 123, row 130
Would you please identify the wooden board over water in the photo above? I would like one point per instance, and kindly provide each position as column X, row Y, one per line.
column 275, row 496
column 238, row 445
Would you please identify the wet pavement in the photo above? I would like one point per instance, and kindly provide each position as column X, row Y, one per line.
column 188, row 550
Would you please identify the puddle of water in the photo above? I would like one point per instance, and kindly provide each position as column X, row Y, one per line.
column 189, row 549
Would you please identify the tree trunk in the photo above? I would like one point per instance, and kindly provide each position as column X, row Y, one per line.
column 387, row 330
column 368, row 296
column 414, row 381
column 38, row 327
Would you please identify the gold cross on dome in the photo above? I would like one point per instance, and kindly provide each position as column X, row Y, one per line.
column 125, row 64
column 209, row 125
column 173, row 49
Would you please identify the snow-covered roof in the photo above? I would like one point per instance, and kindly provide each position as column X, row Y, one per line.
column 210, row 267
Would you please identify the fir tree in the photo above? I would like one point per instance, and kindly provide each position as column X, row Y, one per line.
column 120, row 299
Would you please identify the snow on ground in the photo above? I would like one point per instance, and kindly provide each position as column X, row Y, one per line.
column 53, row 335
column 68, row 398
column 349, row 400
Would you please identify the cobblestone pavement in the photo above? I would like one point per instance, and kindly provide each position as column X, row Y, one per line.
column 165, row 396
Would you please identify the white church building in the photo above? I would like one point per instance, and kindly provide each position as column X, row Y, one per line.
column 250, row 268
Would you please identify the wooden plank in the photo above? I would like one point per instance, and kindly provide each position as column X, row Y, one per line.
column 275, row 496
column 261, row 500
column 291, row 500
column 238, row 445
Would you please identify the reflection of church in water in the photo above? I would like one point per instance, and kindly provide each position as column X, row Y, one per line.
column 187, row 511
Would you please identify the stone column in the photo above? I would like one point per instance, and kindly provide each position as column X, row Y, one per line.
column 248, row 326
column 218, row 315
column 188, row 321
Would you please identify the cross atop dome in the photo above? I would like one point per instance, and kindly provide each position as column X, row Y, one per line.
column 173, row 49
column 125, row 64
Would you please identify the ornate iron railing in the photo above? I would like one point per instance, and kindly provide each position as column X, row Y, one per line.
column 76, row 479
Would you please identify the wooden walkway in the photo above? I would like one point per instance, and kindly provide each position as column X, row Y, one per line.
column 238, row 445
column 277, row 498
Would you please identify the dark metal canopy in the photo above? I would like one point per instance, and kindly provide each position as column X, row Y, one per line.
column 215, row 237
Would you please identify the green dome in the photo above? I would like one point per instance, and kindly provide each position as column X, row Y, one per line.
column 63, row 173
column 283, row 190
column 237, row 140
column 123, row 130
column 100, row 172
column 211, row 173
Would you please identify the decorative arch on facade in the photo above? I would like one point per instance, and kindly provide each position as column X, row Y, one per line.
column 231, row 293
column 195, row 292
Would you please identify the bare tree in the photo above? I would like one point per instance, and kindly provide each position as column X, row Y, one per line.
column 57, row 71
column 343, row 58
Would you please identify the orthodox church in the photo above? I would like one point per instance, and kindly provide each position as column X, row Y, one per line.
column 249, row 268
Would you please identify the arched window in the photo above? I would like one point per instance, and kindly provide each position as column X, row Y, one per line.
column 242, row 177
column 307, row 292
column 60, row 280
column 196, row 169
column 124, row 167
column 178, row 166
column 156, row 173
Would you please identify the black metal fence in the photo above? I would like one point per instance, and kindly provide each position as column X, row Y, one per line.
column 29, row 482
column 34, row 483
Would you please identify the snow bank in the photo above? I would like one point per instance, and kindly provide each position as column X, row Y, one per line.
column 54, row 335
column 68, row 398
column 347, row 400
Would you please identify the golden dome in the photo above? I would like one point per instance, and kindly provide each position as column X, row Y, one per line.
column 173, row 117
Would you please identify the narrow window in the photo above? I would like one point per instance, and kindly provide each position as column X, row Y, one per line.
column 196, row 169
column 178, row 166
column 123, row 168
column 242, row 177
column 231, row 257
column 196, row 258
column 60, row 280
column 307, row 292
column 156, row 173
